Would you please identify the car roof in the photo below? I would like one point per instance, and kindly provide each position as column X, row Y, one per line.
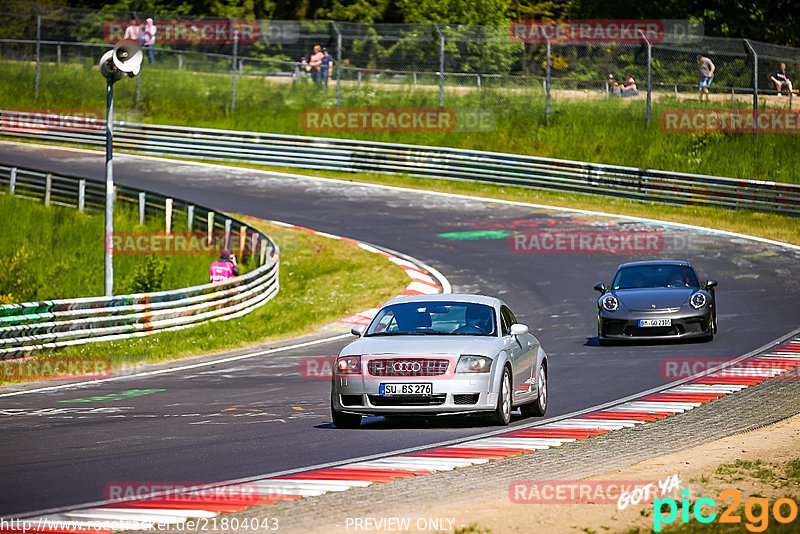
column 655, row 262
column 449, row 297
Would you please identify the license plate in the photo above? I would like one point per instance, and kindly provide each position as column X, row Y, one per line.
column 655, row 322
column 406, row 389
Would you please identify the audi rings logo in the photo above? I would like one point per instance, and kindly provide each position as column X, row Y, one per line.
column 407, row 367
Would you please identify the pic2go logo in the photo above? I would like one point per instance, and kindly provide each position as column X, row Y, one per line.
column 756, row 511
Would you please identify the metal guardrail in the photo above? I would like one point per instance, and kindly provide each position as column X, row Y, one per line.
column 422, row 161
column 51, row 324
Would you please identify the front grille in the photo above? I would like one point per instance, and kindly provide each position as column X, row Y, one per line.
column 351, row 400
column 408, row 367
column 410, row 400
column 466, row 398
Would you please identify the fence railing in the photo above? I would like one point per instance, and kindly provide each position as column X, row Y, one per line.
column 431, row 162
column 51, row 324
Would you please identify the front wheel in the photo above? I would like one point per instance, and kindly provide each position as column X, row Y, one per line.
column 345, row 420
column 502, row 413
column 538, row 407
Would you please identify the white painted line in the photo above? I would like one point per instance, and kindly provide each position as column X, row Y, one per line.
column 184, row 367
column 591, row 424
column 706, row 388
column 311, row 483
column 659, row 406
column 422, row 288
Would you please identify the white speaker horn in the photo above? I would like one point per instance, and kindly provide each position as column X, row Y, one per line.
column 127, row 57
column 107, row 67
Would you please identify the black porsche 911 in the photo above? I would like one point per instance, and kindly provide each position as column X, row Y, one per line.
column 656, row 300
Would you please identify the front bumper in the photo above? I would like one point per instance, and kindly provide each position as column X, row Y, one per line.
column 613, row 326
column 456, row 394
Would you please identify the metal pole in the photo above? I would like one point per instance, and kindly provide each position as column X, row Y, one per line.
column 235, row 54
column 109, row 257
column 12, row 181
column 58, row 54
column 48, row 186
column 338, row 64
column 547, row 85
column 81, row 195
column 441, row 65
column 142, row 207
column 649, row 74
column 138, row 88
column 38, row 47
column 755, row 88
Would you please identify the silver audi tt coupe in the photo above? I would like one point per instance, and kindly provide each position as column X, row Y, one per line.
column 440, row 354
column 656, row 300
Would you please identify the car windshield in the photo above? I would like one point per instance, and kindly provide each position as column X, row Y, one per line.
column 655, row 276
column 434, row 318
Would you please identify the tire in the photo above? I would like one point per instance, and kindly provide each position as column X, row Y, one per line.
column 538, row 407
column 345, row 420
column 502, row 413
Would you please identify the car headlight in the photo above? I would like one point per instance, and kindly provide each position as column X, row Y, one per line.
column 348, row 365
column 471, row 363
column 610, row 303
column 698, row 300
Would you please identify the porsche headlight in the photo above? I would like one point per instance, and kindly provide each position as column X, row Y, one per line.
column 471, row 363
column 610, row 303
column 698, row 300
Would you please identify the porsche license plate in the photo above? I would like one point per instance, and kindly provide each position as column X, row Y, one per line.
column 655, row 322
column 401, row 388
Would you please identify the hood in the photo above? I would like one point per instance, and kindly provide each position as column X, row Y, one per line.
column 425, row 345
column 662, row 297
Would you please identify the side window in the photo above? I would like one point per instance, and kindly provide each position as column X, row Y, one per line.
column 508, row 320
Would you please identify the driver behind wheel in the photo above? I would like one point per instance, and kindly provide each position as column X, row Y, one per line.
column 477, row 319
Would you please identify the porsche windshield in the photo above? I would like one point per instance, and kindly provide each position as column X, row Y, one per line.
column 434, row 318
column 655, row 276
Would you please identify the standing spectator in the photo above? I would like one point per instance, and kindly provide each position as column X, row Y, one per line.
column 781, row 80
column 224, row 268
column 132, row 31
column 149, row 37
column 327, row 67
column 706, row 68
column 629, row 87
column 316, row 64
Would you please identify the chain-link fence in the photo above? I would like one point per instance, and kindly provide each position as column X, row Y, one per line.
column 434, row 64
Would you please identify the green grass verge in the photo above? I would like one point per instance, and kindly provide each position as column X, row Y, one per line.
column 57, row 252
column 321, row 281
column 596, row 130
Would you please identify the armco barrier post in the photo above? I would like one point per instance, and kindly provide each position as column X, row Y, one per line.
column 12, row 181
column 81, row 195
column 228, row 234
column 441, row 65
column 168, row 216
column 263, row 257
column 48, row 186
column 210, row 221
column 242, row 237
column 142, row 205
column 190, row 217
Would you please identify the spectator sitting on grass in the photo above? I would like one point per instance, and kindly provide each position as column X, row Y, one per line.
column 613, row 86
column 224, row 268
column 629, row 87
column 781, row 80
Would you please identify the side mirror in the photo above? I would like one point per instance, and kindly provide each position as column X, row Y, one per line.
column 600, row 287
column 518, row 329
column 358, row 330
column 711, row 283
